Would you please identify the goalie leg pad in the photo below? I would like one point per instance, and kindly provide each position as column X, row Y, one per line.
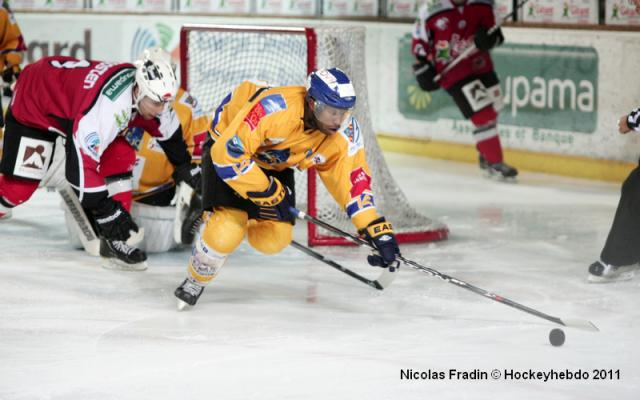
column 157, row 223
column 269, row 237
column 27, row 152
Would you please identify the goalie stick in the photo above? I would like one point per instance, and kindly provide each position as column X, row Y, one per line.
column 383, row 281
column 574, row 323
column 472, row 47
column 84, row 229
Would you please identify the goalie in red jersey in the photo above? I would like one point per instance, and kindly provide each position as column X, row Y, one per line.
column 443, row 30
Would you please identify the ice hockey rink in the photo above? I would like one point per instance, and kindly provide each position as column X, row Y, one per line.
column 290, row 327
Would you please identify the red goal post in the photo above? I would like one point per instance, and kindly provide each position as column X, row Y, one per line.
column 216, row 58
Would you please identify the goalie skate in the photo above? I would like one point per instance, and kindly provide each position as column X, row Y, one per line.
column 118, row 255
column 600, row 272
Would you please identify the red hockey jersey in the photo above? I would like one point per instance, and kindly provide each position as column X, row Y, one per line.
column 443, row 30
column 91, row 101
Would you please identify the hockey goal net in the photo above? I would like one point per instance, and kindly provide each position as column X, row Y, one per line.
column 216, row 58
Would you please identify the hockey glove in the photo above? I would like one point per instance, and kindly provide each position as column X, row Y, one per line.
column 114, row 222
column 485, row 41
column 274, row 203
column 425, row 73
column 11, row 72
column 380, row 234
column 189, row 174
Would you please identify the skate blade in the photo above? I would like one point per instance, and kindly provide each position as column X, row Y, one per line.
column 617, row 277
column 496, row 176
column 117, row 265
column 182, row 305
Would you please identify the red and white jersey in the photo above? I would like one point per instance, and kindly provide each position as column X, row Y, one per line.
column 443, row 30
column 91, row 101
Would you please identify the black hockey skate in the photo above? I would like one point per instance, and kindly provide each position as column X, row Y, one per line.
column 117, row 254
column 188, row 293
column 500, row 169
column 193, row 220
column 600, row 272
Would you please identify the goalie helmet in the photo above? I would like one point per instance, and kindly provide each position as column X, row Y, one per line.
column 155, row 76
column 331, row 87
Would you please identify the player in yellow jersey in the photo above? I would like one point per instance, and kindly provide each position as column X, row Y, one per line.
column 258, row 134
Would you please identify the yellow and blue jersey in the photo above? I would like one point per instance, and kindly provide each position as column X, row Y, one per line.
column 257, row 128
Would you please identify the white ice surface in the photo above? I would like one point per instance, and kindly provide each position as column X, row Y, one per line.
column 290, row 327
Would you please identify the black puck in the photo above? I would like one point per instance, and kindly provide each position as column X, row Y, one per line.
column 556, row 337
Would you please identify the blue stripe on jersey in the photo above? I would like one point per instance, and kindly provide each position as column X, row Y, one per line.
column 360, row 203
column 232, row 171
column 216, row 115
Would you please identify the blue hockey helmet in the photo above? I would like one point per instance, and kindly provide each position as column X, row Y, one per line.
column 331, row 87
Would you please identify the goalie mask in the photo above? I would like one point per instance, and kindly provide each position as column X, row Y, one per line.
column 155, row 76
column 333, row 98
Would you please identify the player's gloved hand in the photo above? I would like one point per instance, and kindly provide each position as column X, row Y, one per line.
column 274, row 203
column 380, row 234
column 189, row 174
column 485, row 41
column 425, row 73
column 11, row 72
column 114, row 222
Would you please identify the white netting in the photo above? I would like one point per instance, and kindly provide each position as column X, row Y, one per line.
column 219, row 58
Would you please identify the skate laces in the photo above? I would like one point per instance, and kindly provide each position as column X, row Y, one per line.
column 123, row 247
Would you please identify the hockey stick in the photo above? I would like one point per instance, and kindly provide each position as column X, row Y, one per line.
column 472, row 47
column 386, row 277
column 331, row 263
column 87, row 235
column 154, row 190
column 574, row 323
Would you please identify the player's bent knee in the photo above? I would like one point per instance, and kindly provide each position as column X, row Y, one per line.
column 225, row 229
column 269, row 237
column 15, row 191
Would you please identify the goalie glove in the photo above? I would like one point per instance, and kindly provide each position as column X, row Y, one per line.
column 190, row 174
column 379, row 233
column 425, row 73
column 274, row 203
column 486, row 41
column 114, row 222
